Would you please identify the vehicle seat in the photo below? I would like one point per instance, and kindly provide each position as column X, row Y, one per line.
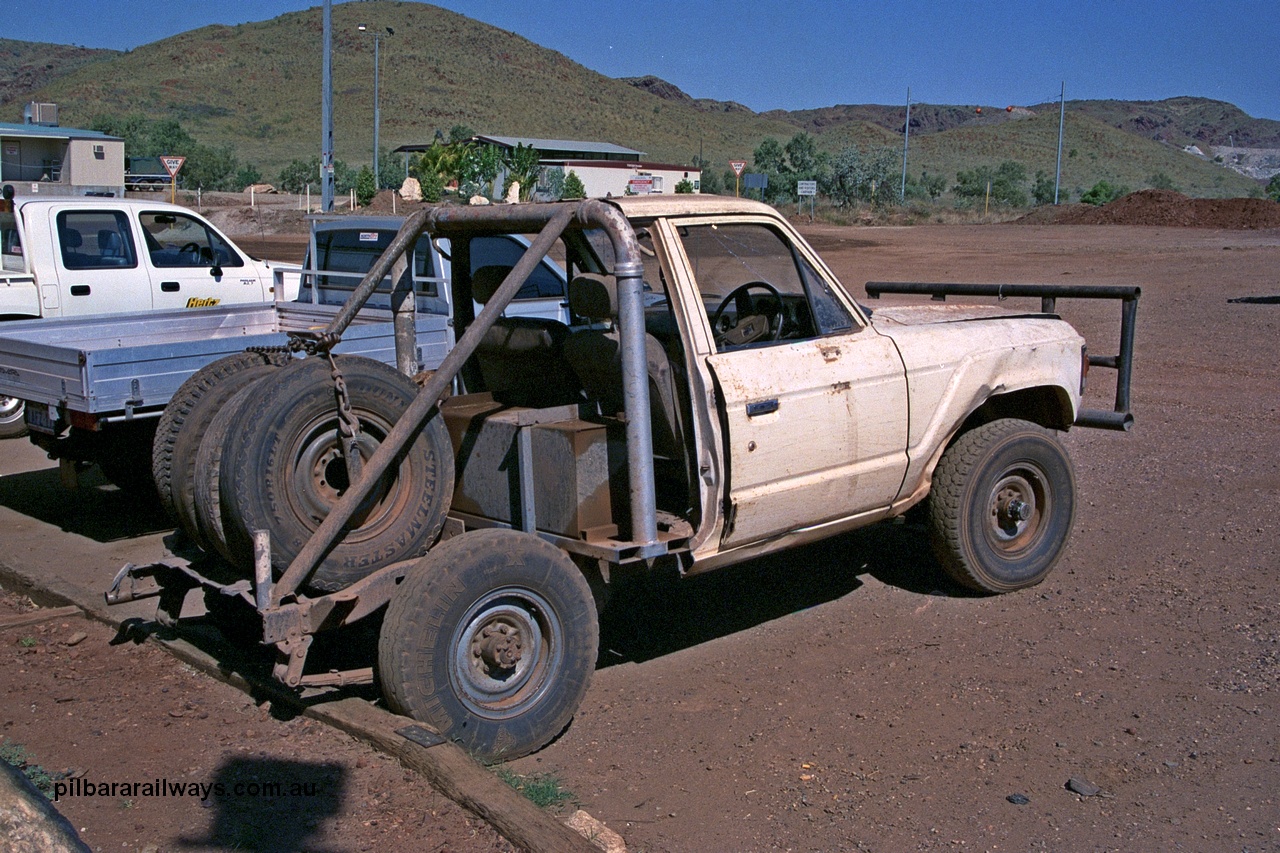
column 111, row 247
column 595, row 355
column 521, row 359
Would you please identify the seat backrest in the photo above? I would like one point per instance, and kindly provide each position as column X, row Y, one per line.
column 595, row 355
column 109, row 244
column 521, row 359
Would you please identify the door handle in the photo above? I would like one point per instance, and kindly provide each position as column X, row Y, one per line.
column 762, row 407
column 170, row 286
column 79, row 290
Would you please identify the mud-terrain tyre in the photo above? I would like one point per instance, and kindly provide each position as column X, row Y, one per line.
column 205, row 487
column 1002, row 505
column 282, row 470
column 492, row 639
column 13, row 417
column 185, row 418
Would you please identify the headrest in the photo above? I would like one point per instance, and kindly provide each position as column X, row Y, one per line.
column 72, row 239
column 108, row 239
column 486, row 281
column 593, row 296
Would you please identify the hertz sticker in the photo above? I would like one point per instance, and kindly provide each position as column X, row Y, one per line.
column 202, row 301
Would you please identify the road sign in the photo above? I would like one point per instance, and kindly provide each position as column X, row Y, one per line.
column 738, row 166
column 806, row 187
column 173, row 164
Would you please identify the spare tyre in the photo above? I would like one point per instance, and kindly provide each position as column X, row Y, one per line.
column 283, row 469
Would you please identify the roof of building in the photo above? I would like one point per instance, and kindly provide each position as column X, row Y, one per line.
column 44, row 131
column 549, row 148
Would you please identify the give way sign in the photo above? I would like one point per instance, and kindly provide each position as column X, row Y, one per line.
column 737, row 166
column 172, row 164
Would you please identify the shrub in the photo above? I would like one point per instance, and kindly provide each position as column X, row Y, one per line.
column 684, row 187
column 1273, row 188
column 1103, row 192
column 573, row 187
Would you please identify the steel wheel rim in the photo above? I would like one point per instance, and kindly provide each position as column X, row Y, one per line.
column 487, row 688
column 10, row 409
column 1017, row 507
column 318, row 476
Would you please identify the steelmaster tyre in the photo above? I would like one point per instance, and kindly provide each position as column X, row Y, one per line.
column 283, row 469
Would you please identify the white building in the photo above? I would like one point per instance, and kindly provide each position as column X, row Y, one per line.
column 40, row 158
column 604, row 168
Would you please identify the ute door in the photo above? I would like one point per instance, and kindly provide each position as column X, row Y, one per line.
column 813, row 402
column 182, row 252
column 97, row 261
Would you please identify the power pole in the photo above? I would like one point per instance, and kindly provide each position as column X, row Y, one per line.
column 906, row 137
column 1062, row 114
column 326, row 113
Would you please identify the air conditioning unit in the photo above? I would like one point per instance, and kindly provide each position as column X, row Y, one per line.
column 38, row 113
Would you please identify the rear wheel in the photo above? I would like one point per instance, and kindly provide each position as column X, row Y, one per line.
column 1002, row 505
column 284, row 468
column 492, row 639
column 12, row 417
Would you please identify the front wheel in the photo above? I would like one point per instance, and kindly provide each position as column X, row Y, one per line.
column 491, row 638
column 1002, row 505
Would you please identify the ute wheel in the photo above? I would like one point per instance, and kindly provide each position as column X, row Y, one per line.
column 1002, row 505
column 205, row 492
column 13, row 414
column 284, row 469
column 491, row 638
column 184, row 421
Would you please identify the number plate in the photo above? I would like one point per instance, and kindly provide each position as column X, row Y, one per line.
column 38, row 419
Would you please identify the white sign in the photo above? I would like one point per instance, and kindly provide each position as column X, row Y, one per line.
column 806, row 187
column 172, row 164
column 738, row 166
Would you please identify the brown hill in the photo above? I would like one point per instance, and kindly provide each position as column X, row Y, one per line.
column 27, row 66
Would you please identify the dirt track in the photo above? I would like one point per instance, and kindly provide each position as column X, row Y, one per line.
column 844, row 698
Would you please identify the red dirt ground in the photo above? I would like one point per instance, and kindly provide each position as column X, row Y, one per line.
column 844, row 697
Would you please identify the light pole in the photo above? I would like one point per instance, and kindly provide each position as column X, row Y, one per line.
column 377, row 115
column 326, row 113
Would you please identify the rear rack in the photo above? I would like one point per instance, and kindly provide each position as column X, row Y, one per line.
column 1120, row 418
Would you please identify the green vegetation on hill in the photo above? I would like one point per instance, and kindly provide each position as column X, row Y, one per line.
column 253, row 90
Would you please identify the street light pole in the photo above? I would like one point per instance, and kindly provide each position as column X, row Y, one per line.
column 377, row 109
column 326, row 113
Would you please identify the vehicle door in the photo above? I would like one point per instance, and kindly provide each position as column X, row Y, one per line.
column 191, row 265
column 97, row 263
column 812, row 400
column 340, row 257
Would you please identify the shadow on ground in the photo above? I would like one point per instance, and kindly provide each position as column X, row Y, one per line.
column 96, row 509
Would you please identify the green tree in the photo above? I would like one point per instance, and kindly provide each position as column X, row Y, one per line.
column 684, row 187
column 573, row 187
column 551, row 183
column 769, row 156
column 390, row 170
column 1103, row 192
column 477, row 166
column 295, row 177
column 709, row 182
column 1273, row 188
column 247, row 175
column 1161, row 181
column 460, row 133
column 1042, row 190
column 366, row 186
column 1005, row 184
column 862, row 176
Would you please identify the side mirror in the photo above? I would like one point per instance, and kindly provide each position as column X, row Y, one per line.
column 215, row 271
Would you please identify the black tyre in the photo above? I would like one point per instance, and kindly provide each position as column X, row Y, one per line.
column 184, row 420
column 283, row 469
column 208, row 532
column 492, row 639
column 1002, row 505
column 13, row 414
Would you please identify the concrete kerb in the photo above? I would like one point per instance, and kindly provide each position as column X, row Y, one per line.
column 446, row 766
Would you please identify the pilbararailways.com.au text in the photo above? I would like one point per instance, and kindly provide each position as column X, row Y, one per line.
column 167, row 788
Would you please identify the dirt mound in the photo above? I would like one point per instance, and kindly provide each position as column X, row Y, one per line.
column 1166, row 207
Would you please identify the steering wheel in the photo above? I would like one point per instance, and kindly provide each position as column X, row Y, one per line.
column 192, row 248
column 747, row 327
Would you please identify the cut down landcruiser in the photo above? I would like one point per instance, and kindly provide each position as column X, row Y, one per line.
column 716, row 396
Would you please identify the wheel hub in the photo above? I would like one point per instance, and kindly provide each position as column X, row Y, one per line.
column 1013, row 507
column 498, row 647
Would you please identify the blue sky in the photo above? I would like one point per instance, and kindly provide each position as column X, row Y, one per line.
column 800, row 54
